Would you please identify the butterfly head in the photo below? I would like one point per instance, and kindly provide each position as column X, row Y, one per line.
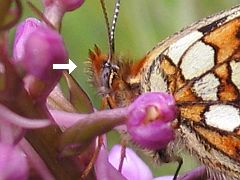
column 105, row 72
column 112, row 77
column 109, row 73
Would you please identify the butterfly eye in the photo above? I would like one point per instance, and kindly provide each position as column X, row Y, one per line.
column 109, row 72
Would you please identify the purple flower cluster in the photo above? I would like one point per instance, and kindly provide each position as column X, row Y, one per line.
column 43, row 131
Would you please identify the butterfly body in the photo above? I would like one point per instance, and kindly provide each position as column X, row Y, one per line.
column 200, row 67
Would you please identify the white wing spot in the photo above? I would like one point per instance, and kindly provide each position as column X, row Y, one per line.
column 177, row 49
column 224, row 117
column 197, row 60
column 207, row 87
column 235, row 66
column 157, row 81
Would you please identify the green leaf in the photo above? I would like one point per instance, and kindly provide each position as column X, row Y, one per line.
column 57, row 100
column 78, row 96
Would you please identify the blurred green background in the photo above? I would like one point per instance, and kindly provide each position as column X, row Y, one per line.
column 142, row 24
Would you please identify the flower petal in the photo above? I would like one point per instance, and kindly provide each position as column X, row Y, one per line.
column 104, row 170
column 13, row 163
column 23, row 30
column 133, row 167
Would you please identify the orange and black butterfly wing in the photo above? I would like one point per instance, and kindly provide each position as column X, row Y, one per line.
column 200, row 66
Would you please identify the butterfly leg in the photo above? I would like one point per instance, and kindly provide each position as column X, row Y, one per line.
column 123, row 155
column 167, row 157
column 90, row 165
column 180, row 162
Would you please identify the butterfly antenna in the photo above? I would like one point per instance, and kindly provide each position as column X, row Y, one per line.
column 108, row 28
column 111, row 31
column 114, row 22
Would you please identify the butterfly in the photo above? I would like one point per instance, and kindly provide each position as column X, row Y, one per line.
column 200, row 67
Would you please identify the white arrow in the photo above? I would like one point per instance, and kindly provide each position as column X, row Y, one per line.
column 70, row 66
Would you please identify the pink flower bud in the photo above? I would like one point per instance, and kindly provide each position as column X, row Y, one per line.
column 149, row 120
column 36, row 48
column 66, row 5
column 23, row 30
column 13, row 163
column 54, row 10
column 43, row 48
